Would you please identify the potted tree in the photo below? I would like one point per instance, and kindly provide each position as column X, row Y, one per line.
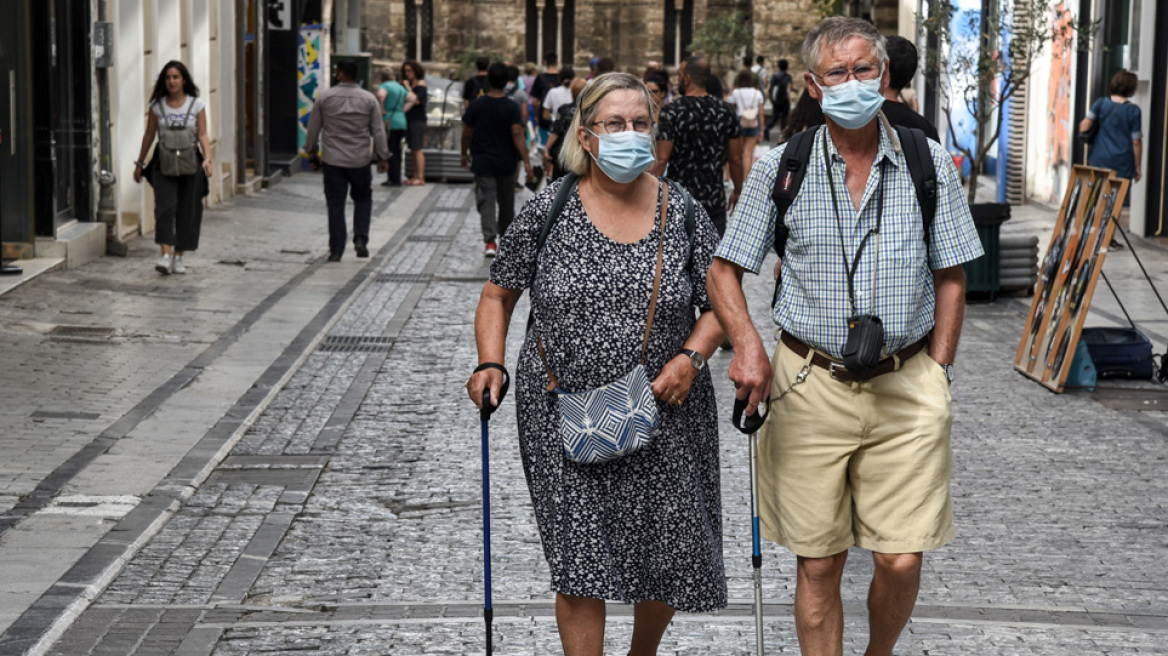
column 984, row 57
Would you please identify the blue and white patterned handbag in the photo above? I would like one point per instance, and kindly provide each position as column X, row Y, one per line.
column 617, row 419
column 609, row 422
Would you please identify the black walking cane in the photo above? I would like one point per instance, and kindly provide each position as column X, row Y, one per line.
column 485, row 416
column 750, row 427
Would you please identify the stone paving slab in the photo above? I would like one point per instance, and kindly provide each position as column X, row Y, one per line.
column 1059, row 500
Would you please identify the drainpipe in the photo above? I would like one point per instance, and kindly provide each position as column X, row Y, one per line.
column 107, row 209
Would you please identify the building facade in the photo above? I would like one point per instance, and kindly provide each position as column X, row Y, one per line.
column 632, row 32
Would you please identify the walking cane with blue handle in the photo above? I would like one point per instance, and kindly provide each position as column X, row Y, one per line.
column 485, row 415
column 750, row 427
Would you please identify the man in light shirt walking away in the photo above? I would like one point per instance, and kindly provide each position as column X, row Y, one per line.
column 344, row 119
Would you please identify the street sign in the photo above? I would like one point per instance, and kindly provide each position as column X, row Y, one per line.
column 279, row 14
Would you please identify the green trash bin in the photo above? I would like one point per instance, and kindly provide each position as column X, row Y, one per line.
column 983, row 275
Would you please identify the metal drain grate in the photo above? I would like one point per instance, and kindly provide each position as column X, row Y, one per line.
column 54, row 414
column 82, row 331
column 403, row 277
column 431, row 238
column 356, row 344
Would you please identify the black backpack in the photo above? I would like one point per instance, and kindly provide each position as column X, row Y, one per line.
column 793, row 168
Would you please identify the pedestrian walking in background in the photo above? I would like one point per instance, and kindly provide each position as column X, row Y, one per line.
column 855, row 450
column 414, row 79
column 645, row 528
column 1119, row 142
column 698, row 133
column 560, row 129
column 493, row 146
column 748, row 103
column 392, row 96
column 476, row 85
column 762, row 76
column 558, row 96
column 529, row 72
column 345, row 119
column 658, row 86
column 179, row 119
column 779, row 92
column 807, row 114
column 902, row 67
column 544, row 82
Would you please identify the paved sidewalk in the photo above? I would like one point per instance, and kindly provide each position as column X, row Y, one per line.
column 327, row 500
column 112, row 372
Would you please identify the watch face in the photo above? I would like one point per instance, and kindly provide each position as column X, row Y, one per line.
column 698, row 360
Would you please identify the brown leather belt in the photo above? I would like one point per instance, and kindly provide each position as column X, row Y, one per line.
column 837, row 369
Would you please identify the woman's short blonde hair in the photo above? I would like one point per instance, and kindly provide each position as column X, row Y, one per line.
column 573, row 157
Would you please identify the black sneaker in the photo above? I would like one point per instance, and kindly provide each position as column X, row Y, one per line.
column 361, row 246
column 334, row 257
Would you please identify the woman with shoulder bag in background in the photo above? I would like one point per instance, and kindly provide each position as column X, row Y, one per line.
column 621, row 276
column 748, row 102
column 1118, row 141
column 179, row 170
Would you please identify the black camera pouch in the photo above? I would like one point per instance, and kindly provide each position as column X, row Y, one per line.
column 863, row 348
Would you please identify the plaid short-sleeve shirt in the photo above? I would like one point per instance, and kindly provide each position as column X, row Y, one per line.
column 893, row 279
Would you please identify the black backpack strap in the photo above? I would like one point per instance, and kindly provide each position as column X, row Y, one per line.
column 690, row 221
column 567, row 185
column 915, row 146
column 792, row 170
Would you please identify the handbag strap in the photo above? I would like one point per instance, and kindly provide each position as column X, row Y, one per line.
column 553, row 383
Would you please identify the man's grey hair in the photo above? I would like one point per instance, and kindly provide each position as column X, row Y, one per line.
column 836, row 30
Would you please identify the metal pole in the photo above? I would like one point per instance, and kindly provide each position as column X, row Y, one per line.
column 560, row 30
column 241, row 92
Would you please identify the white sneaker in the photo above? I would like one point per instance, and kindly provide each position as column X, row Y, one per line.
column 164, row 264
column 177, row 265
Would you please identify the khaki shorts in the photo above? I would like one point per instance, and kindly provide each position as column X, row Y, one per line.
column 865, row 464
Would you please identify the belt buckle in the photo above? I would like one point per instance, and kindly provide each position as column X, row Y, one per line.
column 836, row 368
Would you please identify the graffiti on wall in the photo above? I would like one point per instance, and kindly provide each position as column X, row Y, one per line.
column 309, row 71
column 1058, row 147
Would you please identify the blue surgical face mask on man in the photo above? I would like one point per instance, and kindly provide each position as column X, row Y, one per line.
column 624, row 155
column 854, row 103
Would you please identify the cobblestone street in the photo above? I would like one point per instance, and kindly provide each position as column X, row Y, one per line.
column 277, row 456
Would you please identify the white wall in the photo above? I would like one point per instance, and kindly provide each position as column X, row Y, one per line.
column 1142, row 26
column 128, row 110
column 224, row 82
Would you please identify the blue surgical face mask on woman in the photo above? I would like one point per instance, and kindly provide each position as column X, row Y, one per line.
column 624, row 155
column 854, row 103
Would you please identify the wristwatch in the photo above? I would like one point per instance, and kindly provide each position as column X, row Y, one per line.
column 948, row 372
column 696, row 359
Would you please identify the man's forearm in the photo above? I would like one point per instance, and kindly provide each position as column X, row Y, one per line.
column 724, row 281
column 949, row 286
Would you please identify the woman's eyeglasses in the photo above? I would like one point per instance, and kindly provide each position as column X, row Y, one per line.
column 617, row 124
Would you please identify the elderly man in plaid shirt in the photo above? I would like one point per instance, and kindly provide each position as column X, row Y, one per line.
column 851, row 458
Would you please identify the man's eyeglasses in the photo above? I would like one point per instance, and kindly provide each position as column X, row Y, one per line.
column 862, row 72
column 617, row 124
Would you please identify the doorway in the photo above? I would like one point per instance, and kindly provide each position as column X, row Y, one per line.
column 61, row 121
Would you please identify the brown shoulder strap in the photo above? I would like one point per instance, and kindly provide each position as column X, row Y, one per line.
column 657, row 275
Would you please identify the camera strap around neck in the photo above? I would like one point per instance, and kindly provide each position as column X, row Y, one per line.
column 850, row 271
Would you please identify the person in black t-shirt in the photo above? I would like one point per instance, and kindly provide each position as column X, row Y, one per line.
column 492, row 145
column 476, row 86
column 902, row 66
column 696, row 134
column 545, row 82
column 780, row 94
